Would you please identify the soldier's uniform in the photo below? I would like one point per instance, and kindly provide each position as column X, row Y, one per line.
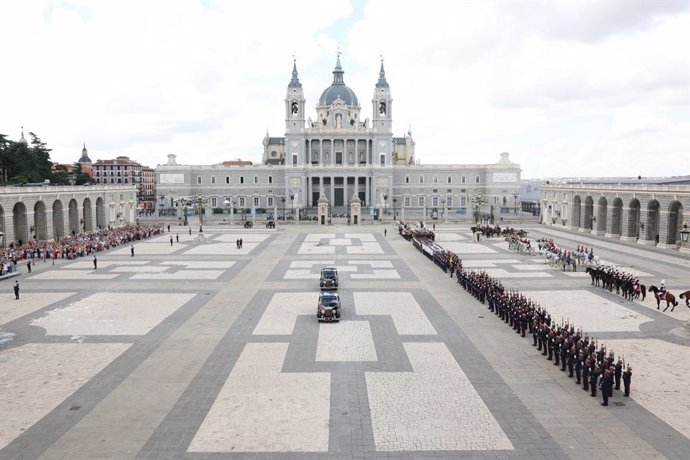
column 619, row 371
column 627, row 376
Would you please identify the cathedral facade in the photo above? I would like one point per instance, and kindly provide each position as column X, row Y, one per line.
column 339, row 152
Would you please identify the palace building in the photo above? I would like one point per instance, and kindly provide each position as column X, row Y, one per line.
column 340, row 151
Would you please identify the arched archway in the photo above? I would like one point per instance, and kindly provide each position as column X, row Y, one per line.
column 634, row 218
column 21, row 231
column 617, row 217
column 652, row 225
column 58, row 220
column 40, row 227
column 87, row 215
column 589, row 213
column 675, row 223
column 73, row 217
column 602, row 208
column 100, row 213
column 576, row 211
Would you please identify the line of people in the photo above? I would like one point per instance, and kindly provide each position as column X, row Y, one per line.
column 566, row 346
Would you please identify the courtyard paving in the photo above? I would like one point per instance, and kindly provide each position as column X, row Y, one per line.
column 203, row 350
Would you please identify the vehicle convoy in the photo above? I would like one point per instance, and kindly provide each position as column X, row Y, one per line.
column 328, row 308
column 329, row 278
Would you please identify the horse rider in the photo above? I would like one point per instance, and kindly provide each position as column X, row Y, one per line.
column 591, row 254
column 636, row 285
column 662, row 290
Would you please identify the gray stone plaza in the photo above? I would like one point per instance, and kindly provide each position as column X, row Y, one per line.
column 191, row 350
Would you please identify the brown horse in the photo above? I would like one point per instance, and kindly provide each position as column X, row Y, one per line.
column 686, row 295
column 669, row 298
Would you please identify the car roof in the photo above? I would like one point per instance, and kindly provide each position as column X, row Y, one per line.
column 329, row 268
column 326, row 294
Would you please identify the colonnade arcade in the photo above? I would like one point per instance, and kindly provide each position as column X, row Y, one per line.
column 648, row 218
column 46, row 216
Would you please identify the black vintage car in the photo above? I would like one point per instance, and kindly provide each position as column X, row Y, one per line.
column 328, row 308
column 329, row 278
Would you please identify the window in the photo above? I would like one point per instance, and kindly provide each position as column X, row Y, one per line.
column 227, row 179
column 449, row 201
column 463, row 201
column 421, row 179
column 256, row 179
column 256, row 201
column 407, row 202
column 198, row 179
column 434, row 201
column 383, row 160
column 435, row 179
column 214, row 201
column 462, row 180
column 270, row 179
column 241, row 179
column 476, row 179
column 270, row 201
column 213, row 179
column 420, row 201
column 242, row 202
column 294, row 160
column 450, row 179
column 407, row 179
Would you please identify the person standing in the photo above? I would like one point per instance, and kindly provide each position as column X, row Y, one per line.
column 606, row 384
column 171, row 240
column 16, row 290
column 177, row 237
column 28, row 265
column 627, row 376
column 618, row 373
column 385, row 232
column 131, row 249
column 95, row 262
column 190, row 231
column 593, row 378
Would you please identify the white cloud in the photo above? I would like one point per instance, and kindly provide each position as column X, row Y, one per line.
column 565, row 87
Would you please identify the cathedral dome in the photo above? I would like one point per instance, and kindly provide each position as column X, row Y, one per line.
column 338, row 89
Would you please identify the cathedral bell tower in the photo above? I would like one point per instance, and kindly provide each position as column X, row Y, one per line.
column 382, row 125
column 294, row 118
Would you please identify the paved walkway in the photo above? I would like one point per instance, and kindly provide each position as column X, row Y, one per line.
column 209, row 351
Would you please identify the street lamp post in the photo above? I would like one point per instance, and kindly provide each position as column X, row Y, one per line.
column 477, row 200
column 516, row 194
column 395, row 213
column 445, row 211
column 684, row 234
column 292, row 205
column 282, row 200
column 385, row 201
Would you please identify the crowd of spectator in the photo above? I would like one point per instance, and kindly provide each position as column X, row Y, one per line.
column 74, row 246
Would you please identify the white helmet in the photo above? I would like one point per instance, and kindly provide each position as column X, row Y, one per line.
column 663, row 282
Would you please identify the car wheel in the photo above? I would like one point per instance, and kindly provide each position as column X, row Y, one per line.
column 337, row 314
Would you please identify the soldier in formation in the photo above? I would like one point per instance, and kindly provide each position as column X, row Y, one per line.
column 567, row 346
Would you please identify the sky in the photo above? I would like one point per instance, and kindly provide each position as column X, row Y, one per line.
column 568, row 87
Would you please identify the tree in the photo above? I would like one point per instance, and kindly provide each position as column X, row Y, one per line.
column 24, row 163
column 80, row 177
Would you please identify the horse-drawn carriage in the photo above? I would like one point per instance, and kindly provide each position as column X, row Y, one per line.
column 248, row 224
